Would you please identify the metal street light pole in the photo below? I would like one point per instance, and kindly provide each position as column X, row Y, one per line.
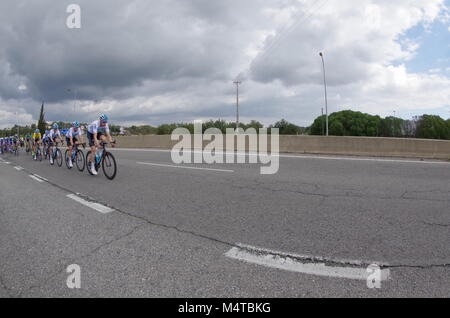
column 237, row 83
column 325, row 85
column 323, row 126
column 393, row 125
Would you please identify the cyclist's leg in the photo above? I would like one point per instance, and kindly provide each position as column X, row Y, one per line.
column 69, row 152
column 93, row 147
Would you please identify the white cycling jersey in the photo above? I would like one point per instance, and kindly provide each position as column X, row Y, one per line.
column 96, row 127
column 55, row 133
column 72, row 133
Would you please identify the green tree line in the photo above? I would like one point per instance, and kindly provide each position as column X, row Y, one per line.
column 351, row 123
column 343, row 123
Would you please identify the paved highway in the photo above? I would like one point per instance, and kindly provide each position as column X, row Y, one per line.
column 159, row 230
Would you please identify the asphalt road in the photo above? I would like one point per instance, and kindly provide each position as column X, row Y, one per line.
column 171, row 227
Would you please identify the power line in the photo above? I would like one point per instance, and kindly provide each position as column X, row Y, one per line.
column 301, row 17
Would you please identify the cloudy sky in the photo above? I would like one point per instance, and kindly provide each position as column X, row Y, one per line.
column 156, row 61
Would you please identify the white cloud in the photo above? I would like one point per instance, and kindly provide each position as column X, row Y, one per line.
column 173, row 60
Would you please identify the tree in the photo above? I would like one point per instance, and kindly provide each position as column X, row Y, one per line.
column 287, row 128
column 347, row 123
column 432, row 127
column 42, row 125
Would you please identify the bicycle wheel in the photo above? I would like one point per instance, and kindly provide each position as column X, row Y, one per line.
column 58, row 157
column 109, row 166
column 79, row 160
column 88, row 163
column 39, row 155
column 52, row 155
column 66, row 159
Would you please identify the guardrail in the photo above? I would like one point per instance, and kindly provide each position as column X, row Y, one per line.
column 356, row 146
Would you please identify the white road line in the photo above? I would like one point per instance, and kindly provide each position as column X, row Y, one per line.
column 299, row 264
column 293, row 156
column 95, row 206
column 182, row 167
column 36, row 175
column 35, row 178
column 18, row 168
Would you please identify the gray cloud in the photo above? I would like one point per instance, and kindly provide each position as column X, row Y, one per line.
column 166, row 60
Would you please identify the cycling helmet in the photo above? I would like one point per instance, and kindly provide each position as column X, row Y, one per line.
column 47, row 132
column 104, row 118
column 37, row 131
column 55, row 126
column 76, row 124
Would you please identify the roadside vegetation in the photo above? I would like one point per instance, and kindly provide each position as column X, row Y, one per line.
column 343, row 123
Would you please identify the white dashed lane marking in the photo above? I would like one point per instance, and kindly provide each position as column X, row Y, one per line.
column 35, row 178
column 93, row 205
column 182, row 167
column 42, row 178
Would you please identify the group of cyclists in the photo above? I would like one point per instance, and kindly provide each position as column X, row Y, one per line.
column 97, row 132
column 11, row 144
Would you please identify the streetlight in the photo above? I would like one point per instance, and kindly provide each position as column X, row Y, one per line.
column 323, row 126
column 325, row 85
column 393, row 125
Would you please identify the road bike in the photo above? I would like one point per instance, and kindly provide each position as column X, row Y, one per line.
column 16, row 150
column 38, row 153
column 77, row 157
column 56, row 155
column 105, row 159
column 46, row 152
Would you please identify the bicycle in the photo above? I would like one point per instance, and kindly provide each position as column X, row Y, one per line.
column 77, row 157
column 57, row 156
column 46, row 152
column 38, row 153
column 106, row 160
column 16, row 150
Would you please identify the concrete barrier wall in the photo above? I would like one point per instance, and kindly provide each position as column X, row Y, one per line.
column 358, row 146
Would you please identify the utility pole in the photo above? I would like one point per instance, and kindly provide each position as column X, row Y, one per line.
column 325, row 85
column 17, row 125
column 237, row 83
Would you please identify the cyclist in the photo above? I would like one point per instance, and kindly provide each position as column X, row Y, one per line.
column 16, row 143
column 28, row 140
column 46, row 141
column 98, row 129
column 1, row 145
column 55, row 138
column 36, row 139
column 73, row 135
column 11, row 143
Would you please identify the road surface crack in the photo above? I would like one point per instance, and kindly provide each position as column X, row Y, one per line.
column 437, row 224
